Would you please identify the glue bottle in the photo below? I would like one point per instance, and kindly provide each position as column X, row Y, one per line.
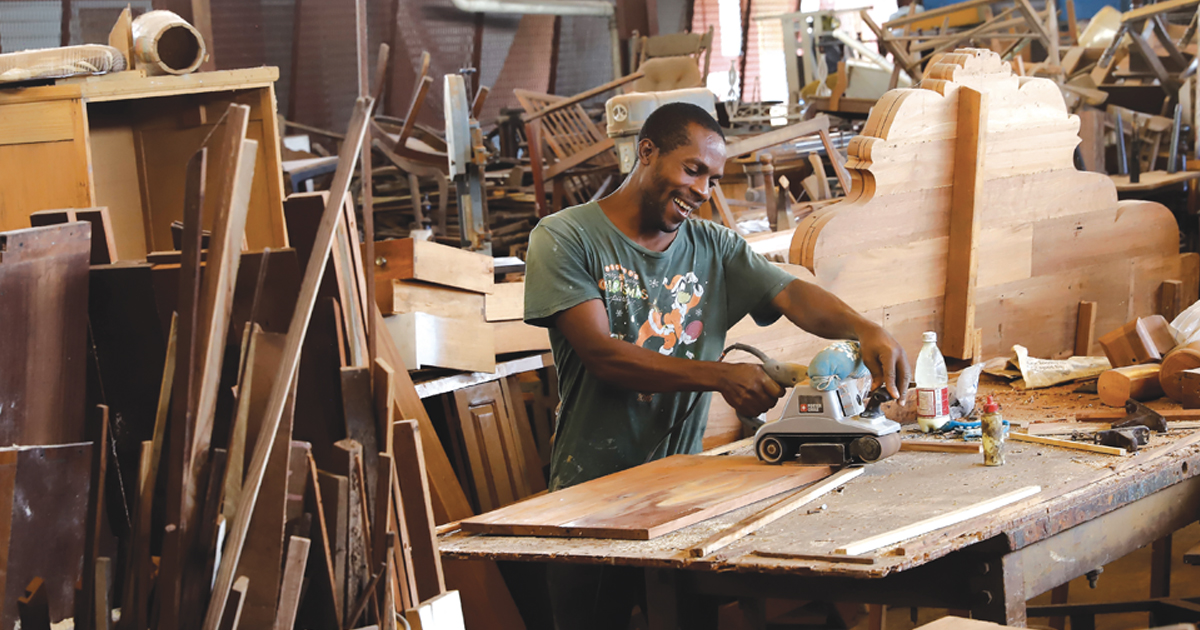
column 933, row 386
column 992, row 425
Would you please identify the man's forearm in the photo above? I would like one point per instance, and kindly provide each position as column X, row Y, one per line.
column 820, row 312
column 633, row 367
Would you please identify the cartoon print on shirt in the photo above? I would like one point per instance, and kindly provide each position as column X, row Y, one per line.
column 669, row 327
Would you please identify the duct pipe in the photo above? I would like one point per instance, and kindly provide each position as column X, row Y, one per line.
column 597, row 8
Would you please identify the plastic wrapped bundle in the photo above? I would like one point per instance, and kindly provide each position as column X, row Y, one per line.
column 54, row 63
column 164, row 43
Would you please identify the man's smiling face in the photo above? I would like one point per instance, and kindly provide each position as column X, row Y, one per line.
column 681, row 180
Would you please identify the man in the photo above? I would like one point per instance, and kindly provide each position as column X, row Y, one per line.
column 638, row 298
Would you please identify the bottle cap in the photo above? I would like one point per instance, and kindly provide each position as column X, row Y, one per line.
column 930, row 337
column 990, row 406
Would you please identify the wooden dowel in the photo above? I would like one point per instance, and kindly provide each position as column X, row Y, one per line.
column 1078, row 446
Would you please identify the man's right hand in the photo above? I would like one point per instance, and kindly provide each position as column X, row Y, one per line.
column 748, row 389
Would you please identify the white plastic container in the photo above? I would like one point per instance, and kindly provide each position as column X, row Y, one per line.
column 933, row 386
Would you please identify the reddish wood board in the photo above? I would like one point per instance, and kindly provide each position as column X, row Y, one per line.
column 648, row 501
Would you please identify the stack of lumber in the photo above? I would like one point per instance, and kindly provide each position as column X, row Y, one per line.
column 242, row 432
column 444, row 309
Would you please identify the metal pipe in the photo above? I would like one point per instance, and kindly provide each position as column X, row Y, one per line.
column 582, row 8
column 1122, row 159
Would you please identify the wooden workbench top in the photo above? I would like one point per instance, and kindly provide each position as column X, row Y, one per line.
column 903, row 489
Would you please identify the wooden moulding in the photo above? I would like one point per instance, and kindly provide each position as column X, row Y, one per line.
column 409, row 259
column 1139, row 382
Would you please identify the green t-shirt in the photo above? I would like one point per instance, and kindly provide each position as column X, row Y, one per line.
column 679, row 302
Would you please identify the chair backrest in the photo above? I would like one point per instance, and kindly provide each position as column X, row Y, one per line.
column 669, row 73
column 567, row 131
column 698, row 46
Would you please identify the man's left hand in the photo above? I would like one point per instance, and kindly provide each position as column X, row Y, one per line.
column 887, row 361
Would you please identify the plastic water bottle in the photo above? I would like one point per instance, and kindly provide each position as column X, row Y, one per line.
column 933, row 386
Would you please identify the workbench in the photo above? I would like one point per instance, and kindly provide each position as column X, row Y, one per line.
column 1092, row 510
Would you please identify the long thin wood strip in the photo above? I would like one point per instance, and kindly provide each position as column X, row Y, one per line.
column 1078, row 446
column 1107, row 415
column 818, row 557
column 322, row 530
column 293, row 581
column 233, row 608
column 775, row 512
column 966, row 210
column 777, row 136
column 940, row 446
column 216, row 301
column 937, row 522
column 409, row 458
column 322, row 244
column 85, row 611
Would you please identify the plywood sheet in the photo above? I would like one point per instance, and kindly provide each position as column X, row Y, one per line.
column 647, row 501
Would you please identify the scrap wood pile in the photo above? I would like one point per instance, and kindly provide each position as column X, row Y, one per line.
column 253, row 450
column 1123, row 73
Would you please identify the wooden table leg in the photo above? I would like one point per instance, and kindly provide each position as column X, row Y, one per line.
column 1059, row 595
column 1000, row 588
column 662, row 599
column 1160, row 567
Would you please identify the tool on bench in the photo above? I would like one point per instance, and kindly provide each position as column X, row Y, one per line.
column 832, row 427
column 1134, row 430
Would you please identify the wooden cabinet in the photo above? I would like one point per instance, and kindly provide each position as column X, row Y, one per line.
column 122, row 141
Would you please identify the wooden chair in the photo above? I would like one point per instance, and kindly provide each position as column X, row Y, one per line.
column 580, row 163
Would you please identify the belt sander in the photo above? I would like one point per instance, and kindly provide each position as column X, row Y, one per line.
column 830, row 424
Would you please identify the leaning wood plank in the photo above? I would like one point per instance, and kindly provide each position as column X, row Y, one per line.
column 966, row 209
column 1017, row 436
column 778, row 136
column 936, row 523
column 85, row 610
column 232, row 204
column 940, row 446
column 293, row 582
column 291, row 358
column 418, row 511
column 775, row 512
column 233, row 608
column 648, row 501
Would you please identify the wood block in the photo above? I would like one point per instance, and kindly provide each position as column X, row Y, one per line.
column 1085, row 331
column 650, row 500
column 427, row 340
column 396, row 297
column 1170, row 299
column 1142, row 340
column 1139, row 382
column 506, row 302
column 1189, row 386
column 517, row 336
column 1189, row 275
column 409, row 259
column 1174, row 365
